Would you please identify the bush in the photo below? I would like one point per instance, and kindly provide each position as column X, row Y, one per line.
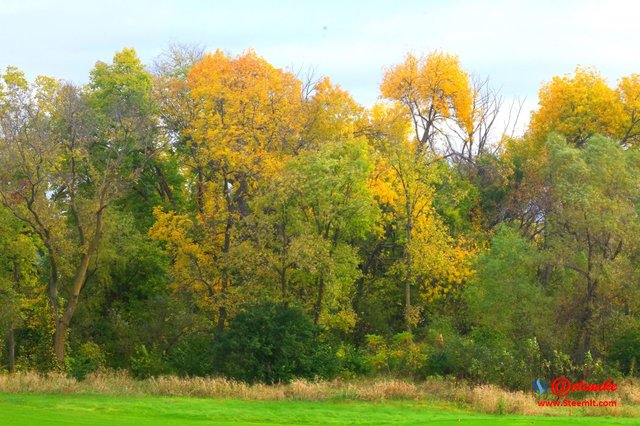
column 353, row 362
column 147, row 363
column 495, row 360
column 194, row 356
column 401, row 356
column 274, row 343
column 625, row 350
column 88, row 358
column 484, row 355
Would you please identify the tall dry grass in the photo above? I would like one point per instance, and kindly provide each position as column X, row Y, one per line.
column 481, row 398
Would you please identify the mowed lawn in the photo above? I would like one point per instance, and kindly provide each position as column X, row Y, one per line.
column 56, row 409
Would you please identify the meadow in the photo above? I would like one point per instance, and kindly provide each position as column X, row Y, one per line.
column 59, row 409
column 113, row 398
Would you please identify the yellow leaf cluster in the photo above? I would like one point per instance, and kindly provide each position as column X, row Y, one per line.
column 332, row 114
column 582, row 104
column 245, row 106
column 432, row 86
column 440, row 262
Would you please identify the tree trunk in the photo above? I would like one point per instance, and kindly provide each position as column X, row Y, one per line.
column 318, row 307
column 59, row 340
column 587, row 326
column 222, row 318
column 222, row 311
column 283, row 263
column 11, row 346
column 62, row 325
column 408, row 265
column 283, row 284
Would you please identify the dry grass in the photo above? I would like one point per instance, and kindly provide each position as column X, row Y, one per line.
column 483, row 398
column 387, row 389
column 491, row 399
column 630, row 391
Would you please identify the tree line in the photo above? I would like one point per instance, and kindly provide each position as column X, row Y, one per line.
column 147, row 217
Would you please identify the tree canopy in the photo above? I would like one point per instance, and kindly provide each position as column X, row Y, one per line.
column 157, row 219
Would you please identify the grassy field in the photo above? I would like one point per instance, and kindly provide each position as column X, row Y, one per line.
column 82, row 409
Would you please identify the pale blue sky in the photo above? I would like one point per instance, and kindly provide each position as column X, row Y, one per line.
column 518, row 44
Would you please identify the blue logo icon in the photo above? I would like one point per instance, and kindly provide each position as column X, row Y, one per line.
column 539, row 386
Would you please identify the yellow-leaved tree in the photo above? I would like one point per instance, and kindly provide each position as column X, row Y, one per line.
column 245, row 125
column 330, row 114
column 404, row 183
column 629, row 92
column 578, row 106
column 581, row 105
column 437, row 95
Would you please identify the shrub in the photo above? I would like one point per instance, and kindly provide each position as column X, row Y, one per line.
column 194, row 356
column 147, row 363
column 400, row 356
column 353, row 362
column 625, row 350
column 274, row 343
column 87, row 359
column 494, row 359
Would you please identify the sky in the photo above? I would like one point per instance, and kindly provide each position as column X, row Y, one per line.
column 518, row 45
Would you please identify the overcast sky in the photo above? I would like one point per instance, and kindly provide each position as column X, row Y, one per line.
column 518, row 44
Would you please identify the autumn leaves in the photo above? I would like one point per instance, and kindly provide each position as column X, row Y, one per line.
column 296, row 189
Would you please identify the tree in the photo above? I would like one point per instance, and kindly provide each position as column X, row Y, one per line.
column 592, row 229
column 126, row 299
column 70, row 155
column 629, row 93
column 436, row 93
column 246, row 122
column 304, row 229
column 19, row 284
column 336, row 207
column 432, row 260
column 505, row 295
column 577, row 106
column 330, row 114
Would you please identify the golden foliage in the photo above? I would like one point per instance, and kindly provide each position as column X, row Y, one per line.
column 629, row 93
column 433, row 88
column 331, row 114
column 245, row 107
column 581, row 105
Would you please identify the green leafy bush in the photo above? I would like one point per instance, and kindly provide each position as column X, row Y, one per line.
column 400, row 356
column 353, row 361
column 194, row 355
column 87, row 359
column 625, row 350
column 147, row 363
column 274, row 343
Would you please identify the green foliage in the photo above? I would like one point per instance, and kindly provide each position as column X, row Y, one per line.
column 505, row 294
column 194, row 355
column 142, row 215
column 399, row 356
column 494, row 359
column 147, row 363
column 274, row 343
column 353, row 361
column 88, row 358
column 590, row 232
column 455, row 199
column 625, row 349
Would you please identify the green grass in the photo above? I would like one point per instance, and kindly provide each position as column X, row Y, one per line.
column 57, row 409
